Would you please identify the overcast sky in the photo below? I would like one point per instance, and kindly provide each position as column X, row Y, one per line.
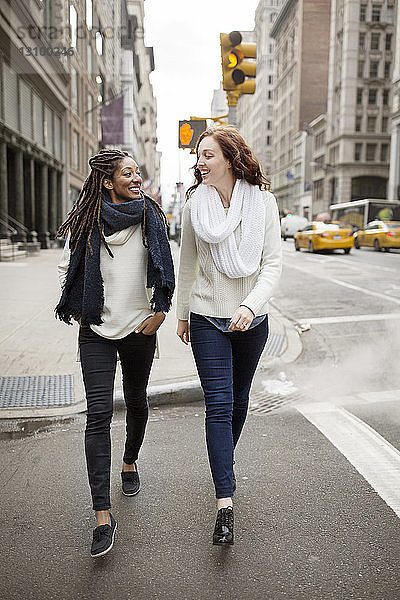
column 185, row 38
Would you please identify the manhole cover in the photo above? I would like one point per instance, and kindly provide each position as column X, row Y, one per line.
column 262, row 402
column 36, row 391
column 274, row 344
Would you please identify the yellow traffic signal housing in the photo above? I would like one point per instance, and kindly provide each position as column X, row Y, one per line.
column 235, row 68
column 189, row 132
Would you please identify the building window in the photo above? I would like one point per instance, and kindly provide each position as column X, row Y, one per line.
column 385, row 97
column 360, row 73
column 75, row 150
column 361, row 41
column 269, row 124
column 318, row 189
column 89, row 60
column 388, row 42
column 372, row 93
column 376, row 13
column 371, row 152
column 359, row 95
column 73, row 21
column 89, row 14
column 319, row 140
column 375, row 39
column 358, row 123
column 389, row 14
column 74, row 90
column 387, row 69
column 371, row 124
column 270, row 79
column 373, row 68
column 268, row 140
column 384, row 124
column 271, row 48
column 269, row 95
column 363, row 12
column 357, row 152
column 384, row 152
column 99, row 43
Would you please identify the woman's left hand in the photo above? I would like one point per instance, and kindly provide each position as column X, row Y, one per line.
column 242, row 319
column 151, row 324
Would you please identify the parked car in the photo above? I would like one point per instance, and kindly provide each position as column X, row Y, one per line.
column 379, row 235
column 291, row 224
column 318, row 235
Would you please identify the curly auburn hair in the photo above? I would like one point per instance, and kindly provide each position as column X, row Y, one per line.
column 87, row 208
column 239, row 154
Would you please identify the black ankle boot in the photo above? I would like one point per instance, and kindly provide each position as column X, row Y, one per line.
column 223, row 532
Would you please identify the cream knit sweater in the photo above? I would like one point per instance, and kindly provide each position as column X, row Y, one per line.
column 204, row 290
column 126, row 300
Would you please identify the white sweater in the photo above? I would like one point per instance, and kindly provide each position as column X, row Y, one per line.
column 126, row 301
column 204, row 290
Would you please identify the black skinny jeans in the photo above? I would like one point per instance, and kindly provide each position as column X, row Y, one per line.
column 98, row 362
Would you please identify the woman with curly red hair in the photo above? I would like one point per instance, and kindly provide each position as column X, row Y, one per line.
column 230, row 264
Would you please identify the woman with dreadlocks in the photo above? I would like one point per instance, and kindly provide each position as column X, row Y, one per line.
column 117, row 247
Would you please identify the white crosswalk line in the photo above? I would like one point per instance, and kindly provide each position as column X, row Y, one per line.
column 373, row 457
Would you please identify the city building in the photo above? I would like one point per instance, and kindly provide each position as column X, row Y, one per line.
column 95, row 36
column 319, row 165
column 34, row 161
column 149, row 159
column 300, row 31
column 359, row 99
column 60, row 63
column 219, row 104
column 394, row 176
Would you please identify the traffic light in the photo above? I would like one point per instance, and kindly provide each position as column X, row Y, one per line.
column 190, row 131
column 238, row 73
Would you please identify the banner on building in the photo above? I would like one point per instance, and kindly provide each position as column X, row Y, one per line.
column 112, row 123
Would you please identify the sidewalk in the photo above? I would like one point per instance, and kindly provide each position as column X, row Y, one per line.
column 39, row 374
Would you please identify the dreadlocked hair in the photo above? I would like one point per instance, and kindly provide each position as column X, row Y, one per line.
column 87, row 209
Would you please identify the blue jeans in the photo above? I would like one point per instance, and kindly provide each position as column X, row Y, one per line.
column 226, row 363
column 98, row 362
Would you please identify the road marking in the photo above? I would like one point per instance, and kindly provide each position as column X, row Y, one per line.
column 373, row 457
column 345, row 284
column 348, row 318
column 365, row 291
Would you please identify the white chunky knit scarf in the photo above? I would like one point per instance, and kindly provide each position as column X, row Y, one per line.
column 216, row 227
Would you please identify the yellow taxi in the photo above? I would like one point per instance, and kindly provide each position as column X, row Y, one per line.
column 378, row 235
column 318, row 235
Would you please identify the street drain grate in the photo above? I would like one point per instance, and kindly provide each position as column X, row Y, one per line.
column 262, row 402
column 36, row 391
column 274, row 344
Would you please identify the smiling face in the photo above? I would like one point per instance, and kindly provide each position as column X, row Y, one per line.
column 212, row 164
column 125, row 183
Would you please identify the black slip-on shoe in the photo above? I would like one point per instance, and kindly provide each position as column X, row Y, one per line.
column 223, row 531
column 103, row 538
column 233, row 482
column 130, row 482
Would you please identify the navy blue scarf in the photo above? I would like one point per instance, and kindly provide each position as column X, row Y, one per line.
column 83, row 291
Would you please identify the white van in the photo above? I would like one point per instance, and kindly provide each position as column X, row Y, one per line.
column 291, row 224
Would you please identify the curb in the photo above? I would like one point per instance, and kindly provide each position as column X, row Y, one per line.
column 181, row 392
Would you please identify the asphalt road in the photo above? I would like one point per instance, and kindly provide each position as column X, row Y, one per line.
column 312, row 520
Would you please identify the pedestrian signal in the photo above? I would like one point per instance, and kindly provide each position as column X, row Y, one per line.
column 238, row 64
column 190, row 131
